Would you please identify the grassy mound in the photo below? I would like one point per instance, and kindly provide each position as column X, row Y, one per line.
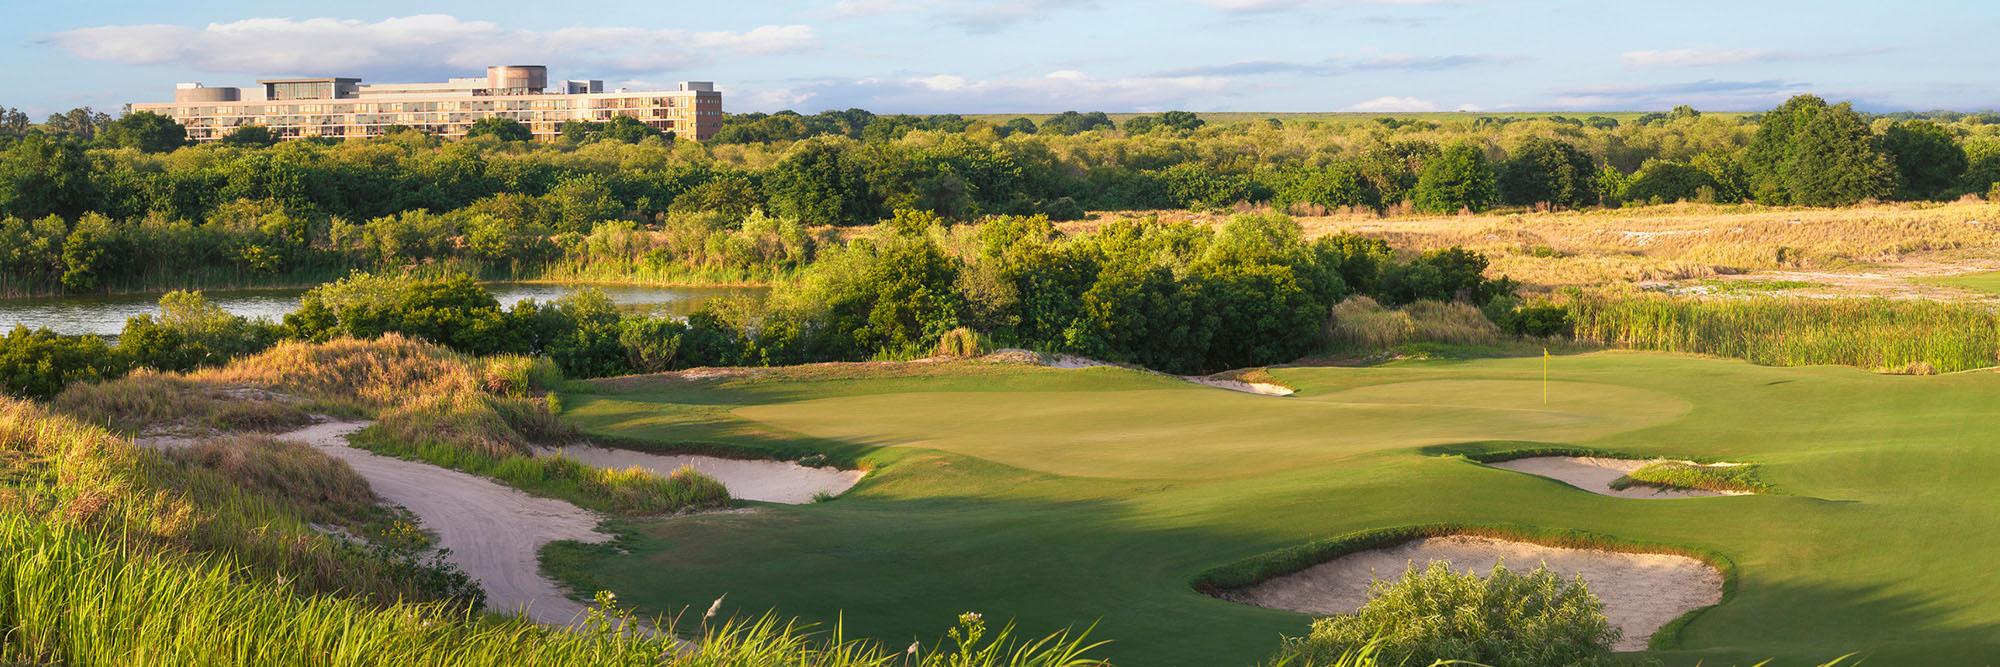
column 242, row 500
column 1681, row 474
column 481, row 415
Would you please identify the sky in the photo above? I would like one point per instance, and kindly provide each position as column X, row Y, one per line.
column 1028, row 56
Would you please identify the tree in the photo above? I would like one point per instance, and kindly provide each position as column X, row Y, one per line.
column 40, row 176
column 1071, row 122
column 13, row 122
column 819, row 183
column 250, row 136
column 630, row 130
column 504, row 129
column 1165, row 120
column 1670, row 182
column 1928, row 159
column 1017, row 125
column 1982, row 166
column 1457, row 179
column 83, row 123
column 1808, row 153
column 1547, row 171
column 146, row 131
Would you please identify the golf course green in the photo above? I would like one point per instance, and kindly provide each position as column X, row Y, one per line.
column 1063, row 498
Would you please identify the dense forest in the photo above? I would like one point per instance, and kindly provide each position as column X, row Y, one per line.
column 90, row 204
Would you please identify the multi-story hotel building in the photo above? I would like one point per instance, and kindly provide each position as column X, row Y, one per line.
column 345, row 107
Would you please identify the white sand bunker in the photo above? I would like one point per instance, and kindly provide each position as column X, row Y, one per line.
column 1595, row 474
column 1641, row 592
column 1072, row 362
column 765, row 481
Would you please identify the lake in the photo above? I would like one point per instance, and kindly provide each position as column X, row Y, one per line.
column 105, row 315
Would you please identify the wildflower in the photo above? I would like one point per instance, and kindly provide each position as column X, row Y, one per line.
column 714, row 608
column 913, row 648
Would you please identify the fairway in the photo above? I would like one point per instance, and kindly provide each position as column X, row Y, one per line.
column 1060, row 497
column 1190, row 432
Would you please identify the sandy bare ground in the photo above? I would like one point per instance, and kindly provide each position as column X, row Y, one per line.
column 1596, row 474
column 493, row 531
column 1641, row 592
column 765, row 481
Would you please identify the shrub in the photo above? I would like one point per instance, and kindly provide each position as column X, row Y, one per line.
column 39, row 363
column 962, row 343
column 1503, row 619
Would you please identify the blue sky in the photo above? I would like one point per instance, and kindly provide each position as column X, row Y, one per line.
column 987, row 56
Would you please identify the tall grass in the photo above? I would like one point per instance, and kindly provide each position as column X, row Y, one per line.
column 1362, row 324
column 57, row 469
column 77, row 596
column 478, row 415
column 1879, row 334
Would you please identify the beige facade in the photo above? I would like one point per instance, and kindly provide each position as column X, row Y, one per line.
column 345, row 107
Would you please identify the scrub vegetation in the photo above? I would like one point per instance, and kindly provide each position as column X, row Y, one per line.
column 1434, row 614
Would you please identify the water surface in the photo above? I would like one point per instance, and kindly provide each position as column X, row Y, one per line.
column 105, row 315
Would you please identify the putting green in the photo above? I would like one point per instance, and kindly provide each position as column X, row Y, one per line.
column 1060, row 497
column 1192, row 431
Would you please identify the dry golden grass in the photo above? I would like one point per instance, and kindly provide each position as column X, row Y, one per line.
column 1361, row 323
column 1674, row 242
column 419, row 393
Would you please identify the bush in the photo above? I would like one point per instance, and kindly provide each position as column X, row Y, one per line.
column 39, row 363
column 1539, row 321
column 1503, row 619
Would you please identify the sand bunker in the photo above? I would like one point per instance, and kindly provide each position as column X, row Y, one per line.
column 1260, row 388
column 1071, row 361
column 1595, row 474
column 493, row 531
column 761, row 480
column 1641, row 592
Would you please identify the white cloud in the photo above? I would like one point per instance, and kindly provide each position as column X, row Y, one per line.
column 421, row 42
column 1392, row 103
column 1701, row 57
column 950, row 93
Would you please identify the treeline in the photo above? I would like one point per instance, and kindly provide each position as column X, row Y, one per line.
column 78, row 215
column 1177, row 297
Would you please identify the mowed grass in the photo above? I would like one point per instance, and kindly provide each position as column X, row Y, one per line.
column 1986, row 282
column 1057, row 497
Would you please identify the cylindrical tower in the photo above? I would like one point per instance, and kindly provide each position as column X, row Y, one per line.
column 517, row 79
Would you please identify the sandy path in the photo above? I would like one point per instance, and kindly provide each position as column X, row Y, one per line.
column 765, row 481
column 493, row 531
column 1595, row 475
column 1641, row 592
